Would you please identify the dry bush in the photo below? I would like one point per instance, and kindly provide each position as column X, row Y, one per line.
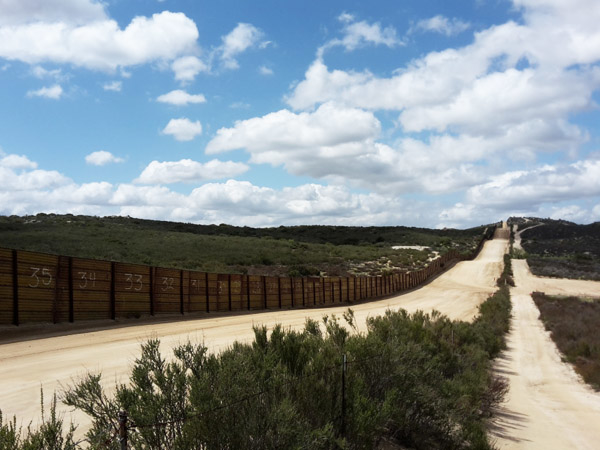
column 573, row 324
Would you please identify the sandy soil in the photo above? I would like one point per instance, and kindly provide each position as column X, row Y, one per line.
column 548, row 406
column 50, row 362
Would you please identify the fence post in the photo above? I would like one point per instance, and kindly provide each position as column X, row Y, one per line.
column 348, row 289
column 113, row 302
column 207, row 291
column 70, row 281
column 123, row 429
column 151, row 287
column 229, row 290
column 181, row 291
column 279, row 291
column 248, row 291
column 264, row 289
column 15, row 286
column 343, row 427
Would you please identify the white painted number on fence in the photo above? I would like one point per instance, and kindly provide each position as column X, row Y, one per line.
column 46, row 277
column 85, row 278
column 134, row 279
column 167, row 284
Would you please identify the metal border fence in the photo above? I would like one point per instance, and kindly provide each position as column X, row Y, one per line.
column 44, row 288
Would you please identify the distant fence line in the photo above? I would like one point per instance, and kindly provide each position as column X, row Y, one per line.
column 39, row 287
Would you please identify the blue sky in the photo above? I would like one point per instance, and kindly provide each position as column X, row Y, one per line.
column 423, row 113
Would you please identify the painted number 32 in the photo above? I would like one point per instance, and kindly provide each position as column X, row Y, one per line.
column 40, row 275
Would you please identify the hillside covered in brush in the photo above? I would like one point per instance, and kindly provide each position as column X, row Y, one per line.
column 295, row 250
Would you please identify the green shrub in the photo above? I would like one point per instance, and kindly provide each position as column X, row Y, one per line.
column 419, row 380
column 50, row 435
column 518, row 253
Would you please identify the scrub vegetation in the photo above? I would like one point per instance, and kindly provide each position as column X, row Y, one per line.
column 573, row 325
column 281, row 251
column 560, row 249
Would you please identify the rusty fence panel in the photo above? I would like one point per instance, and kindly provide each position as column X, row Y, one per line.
column 236, row 294
column 9, row 299
column 197, row 287
column 91, row 289
column 133, row 290
column 38, row 288
column 298, row 293
column 285, row 292
column 212, row 289
column 223, row 292
column 167, row 291
column 272, row 292
column 255, row 284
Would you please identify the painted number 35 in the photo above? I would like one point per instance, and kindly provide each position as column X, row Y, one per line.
column 40, row 275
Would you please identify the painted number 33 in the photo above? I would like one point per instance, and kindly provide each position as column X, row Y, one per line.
column 134, row 282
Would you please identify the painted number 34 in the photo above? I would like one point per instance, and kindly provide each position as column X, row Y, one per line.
column 87, row 277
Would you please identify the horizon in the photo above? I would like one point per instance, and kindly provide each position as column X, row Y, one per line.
column 420, row 114
column 507, row 220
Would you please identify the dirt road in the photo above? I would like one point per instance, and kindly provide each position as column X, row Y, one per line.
column 51, row 361
column 548, row 407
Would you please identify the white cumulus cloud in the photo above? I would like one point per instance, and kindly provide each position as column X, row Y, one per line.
column 183, row 129
column 16, row 162
column 189, row 171
column 339, row 144
column 102, row 158
column 240, row 39
column 17, row 12
column 277, row 134
column 358, row 34
column 114, row 86
column 53, row 92
column 442, row 25
column 179, row 97
column 264, row 70
column 99, row 44
column 187, row 67
column 546, row 184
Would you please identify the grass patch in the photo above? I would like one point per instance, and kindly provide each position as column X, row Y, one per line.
column 573, row 324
